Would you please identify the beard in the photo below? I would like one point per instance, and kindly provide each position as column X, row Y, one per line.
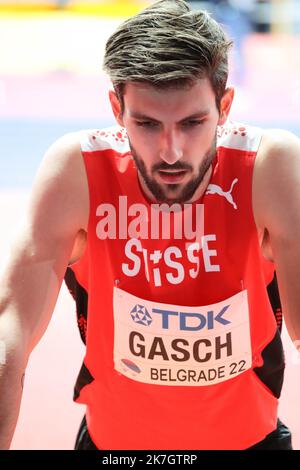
column 182, row 193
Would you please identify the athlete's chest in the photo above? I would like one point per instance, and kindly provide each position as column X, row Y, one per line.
column 175, row 245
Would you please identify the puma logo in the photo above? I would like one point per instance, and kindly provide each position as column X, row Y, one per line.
column 215, row 189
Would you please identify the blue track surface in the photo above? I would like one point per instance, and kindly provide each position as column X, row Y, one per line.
column 23, row 143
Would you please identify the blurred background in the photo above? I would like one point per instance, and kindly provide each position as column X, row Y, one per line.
column 51, row 82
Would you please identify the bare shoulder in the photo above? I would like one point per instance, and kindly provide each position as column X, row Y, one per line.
column 276, row 179
column 61, row 184
column 275, row 143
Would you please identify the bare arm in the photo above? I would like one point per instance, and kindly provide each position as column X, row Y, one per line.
column 31, row 280
column 276, row 202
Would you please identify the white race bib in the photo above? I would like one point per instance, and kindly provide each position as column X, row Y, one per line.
column 165, row 344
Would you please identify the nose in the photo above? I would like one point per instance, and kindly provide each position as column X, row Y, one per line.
column 171, row 147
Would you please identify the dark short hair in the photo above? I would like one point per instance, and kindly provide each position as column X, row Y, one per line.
column 168, row 45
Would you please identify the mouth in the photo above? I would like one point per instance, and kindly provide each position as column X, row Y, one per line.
column 172, row 176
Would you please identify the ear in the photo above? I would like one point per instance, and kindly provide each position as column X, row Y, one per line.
column 225, row 105
column 116, row 107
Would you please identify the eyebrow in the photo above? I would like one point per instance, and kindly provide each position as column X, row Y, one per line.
column 197, row 115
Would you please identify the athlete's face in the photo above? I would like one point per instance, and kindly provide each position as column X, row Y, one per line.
column 172, row 135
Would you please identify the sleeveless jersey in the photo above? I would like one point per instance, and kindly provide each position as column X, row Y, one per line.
column 183, row 349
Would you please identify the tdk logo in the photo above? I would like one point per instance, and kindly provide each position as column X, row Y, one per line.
column 140, row 315
column 193, row 321
column 187, row 321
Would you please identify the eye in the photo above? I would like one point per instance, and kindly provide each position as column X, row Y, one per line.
column 147, row 124
column 193, row 123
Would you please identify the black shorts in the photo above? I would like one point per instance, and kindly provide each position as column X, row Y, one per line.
column 279, row 439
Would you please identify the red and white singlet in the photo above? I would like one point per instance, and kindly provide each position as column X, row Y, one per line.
column 182, row 345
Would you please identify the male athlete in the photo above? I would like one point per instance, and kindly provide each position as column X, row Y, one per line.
column 168, row 229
